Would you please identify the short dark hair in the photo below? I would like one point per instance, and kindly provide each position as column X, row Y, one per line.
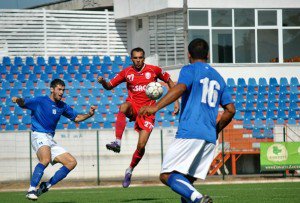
column 56, row 82
column 137, row 49
column 198, row 49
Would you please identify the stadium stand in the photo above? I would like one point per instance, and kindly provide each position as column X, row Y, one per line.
column 260, row 103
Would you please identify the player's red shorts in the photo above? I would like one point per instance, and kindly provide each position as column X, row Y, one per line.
column 141, row 122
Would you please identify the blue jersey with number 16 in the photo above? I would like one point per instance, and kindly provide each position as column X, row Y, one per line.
column 206, row 90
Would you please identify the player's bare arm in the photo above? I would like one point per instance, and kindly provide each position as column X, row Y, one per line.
column 18, row 100
column 176, row 104
column 105, row 84
column 229, row 111
column 82, row 117
column 172, row 95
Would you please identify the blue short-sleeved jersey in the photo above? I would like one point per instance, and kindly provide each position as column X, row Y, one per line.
column 206, row 90
column 46, row 113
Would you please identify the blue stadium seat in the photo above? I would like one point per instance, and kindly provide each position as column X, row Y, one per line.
column 94, row 69
column 79, row 108
column 128, row 61
column 262, row 90
column 14, row 69
column 273, row 90
column 248, row 115
column 116, row 100
column 6, row 111
column 93, row 101
column 250, row 97
column 262, row 82
column 71, row 69
column 83, row 125
column 29, row 61
column 85, row 61
column 118, row 60
column 14, row 92
column 293, row 114
column 6, row 61
column 38, row 92
column 45, row 78
column 270, row 123
column 84, row 92
column 18, row 61
column 3, row 70
column 107, row 125
column 30, row 84
column 241, row 90
column 294, row 105
column 13, row 119
column 26, row 69
column 87, row 84
column 107, row 60
column 26, row 93
column 49, row 69
column 282, row 114
column 52, row 61
column 60, row 69
column 268, row 133
column 256, row 133
column 37, row 69
column 41, row 61
column 63, row 61
column 21, row 77
column 5, row 85
column 110, row 117
column 292, row 121
column 82, row 69
column 96, row 60
column 240, row 97
column 67, row 77
column 22, row 126
column 70, row 101
column 241, row 82
column 115, row 68
column 238, row 116
column 41, row 84
column 252, row 90
column 17, row 85
column 271, row 115
column 9, row 77
column 90, row 77
column 95, row 125
column 239, row 105
column 273, row 97
column 260, row 114
column 294, row 83
column 81, row 101
column 273, row 82
column 166, row 123
column 74, row 61
column 283, row 104
column 9, row 127
column 71, row 126
column 272, row 105
column 60, row 126
column 105, row 69
column 283, row 96
column 78, row 77
column 247, row 124
column 104, row 100
column 33, row 77
column 250, row 106
column 3, row 93
column 252, row 82
column 98, row 118
column 283, row 81
column 96, row 92
column 280, row 121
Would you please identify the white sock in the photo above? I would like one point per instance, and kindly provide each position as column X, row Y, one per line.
column 118, row 141
column 195, row 195
column 31, row 188
column 48, row 185
column 129, row 170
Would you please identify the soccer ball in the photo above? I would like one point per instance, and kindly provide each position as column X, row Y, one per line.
column 154, row 90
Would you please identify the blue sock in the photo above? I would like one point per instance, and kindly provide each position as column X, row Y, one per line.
column 37, row 174
column 59, row 175
column 182, row 186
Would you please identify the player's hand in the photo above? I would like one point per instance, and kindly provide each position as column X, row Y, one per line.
column 147, row 110
column 100, row 79
column 92, row 110
column 176, row 107
column 14, row 99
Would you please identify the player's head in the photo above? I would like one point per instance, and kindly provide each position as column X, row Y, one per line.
column 57, row 88
column 198, row 49
column 138, row 57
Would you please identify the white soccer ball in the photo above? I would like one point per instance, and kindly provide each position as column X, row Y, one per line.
column 154, row 90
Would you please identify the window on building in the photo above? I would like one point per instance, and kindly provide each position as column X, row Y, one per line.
column 267, row 45
column 198, row 18
column 244, row 18
column 222, row 46
column 290, row 17
column 222, row 18
column 245, row 46
column 267, row 17
column 291, row 42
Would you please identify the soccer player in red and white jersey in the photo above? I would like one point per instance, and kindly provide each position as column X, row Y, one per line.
column 137, row 77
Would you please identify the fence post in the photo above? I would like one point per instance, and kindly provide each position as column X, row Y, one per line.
column 284, row 139
column 30, row 155
column 161, row 145
column 98, row 160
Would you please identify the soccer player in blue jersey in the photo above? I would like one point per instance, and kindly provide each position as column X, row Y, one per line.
column 45, row 114
column 190, row 154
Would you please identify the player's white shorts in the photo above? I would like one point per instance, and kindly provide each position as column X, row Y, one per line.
column 39, row 139
column 189, row 156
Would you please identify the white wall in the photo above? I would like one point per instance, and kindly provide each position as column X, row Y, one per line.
column 129, row 8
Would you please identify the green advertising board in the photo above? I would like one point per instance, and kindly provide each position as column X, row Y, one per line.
column 279, row 156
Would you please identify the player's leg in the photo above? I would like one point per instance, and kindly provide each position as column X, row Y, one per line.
column 125, row 110
column 68, row 162
column 137, row 156
column 40, row 146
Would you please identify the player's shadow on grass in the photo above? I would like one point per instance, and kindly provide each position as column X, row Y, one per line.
column 141, row 200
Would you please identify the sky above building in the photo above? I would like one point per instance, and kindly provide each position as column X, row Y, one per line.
column 21, row 4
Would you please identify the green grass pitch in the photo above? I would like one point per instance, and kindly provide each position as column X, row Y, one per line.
column 288, row 192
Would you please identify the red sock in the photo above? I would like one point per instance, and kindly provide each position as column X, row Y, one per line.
column 137, row 156
column 120, row 125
